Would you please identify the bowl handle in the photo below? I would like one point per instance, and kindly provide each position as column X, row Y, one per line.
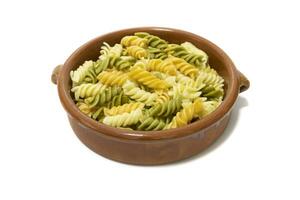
column 55, row 74
column 244, row 82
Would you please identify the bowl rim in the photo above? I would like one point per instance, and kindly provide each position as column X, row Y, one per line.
column 102, row 129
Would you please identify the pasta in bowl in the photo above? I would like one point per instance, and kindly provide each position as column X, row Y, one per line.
column 145, row 83
column 148, row 95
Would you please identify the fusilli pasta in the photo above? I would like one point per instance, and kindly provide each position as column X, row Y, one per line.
column 84, row 74
column 147, row 84
column 189, row 112
column 138, row 94
column 125, row 108
column 137, row 52
column 144, row 77
column 134, row 41
column 111, row 78
column 184, row 67
column 150, row 123
column 125, row 119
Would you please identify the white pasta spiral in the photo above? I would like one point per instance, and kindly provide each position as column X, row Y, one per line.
column 125, row 119
column 134, row 92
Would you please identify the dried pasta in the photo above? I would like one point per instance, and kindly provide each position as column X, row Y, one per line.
column 146, row 78
column 146, row 83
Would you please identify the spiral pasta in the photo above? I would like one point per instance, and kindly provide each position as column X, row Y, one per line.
column 138, row 94
column 124, row 120
column 87, row 90
column 103, row 97
column 192, row 49
column 84, row 74
column 108, row 51
column 165, row 66
column 123, row 62
column 212, row 92
column 162, row 97
column 170, row 80
column 117, row 100
column 150, row 123
column 189, row 112
column 98, row 114
column 83, row 107
column 101, row 65
column 155, row 53
column 184, row 67
column 144, row 83
column 184, row 91
column 210, row 106
column 180, row 52
column 125, row 108
column 153, row 40
column 166, row 109
column 187, row 81
column 111, row 78
column 137, row 52
column 144, row 77
column 211, row 79
column 133, row 41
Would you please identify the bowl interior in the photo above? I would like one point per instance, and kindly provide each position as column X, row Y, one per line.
column 217, row 59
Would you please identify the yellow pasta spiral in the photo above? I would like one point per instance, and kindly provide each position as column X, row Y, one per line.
column 83, row 107
column 125, row 108
column 162, row 97
column 144, row 77
column 134, row 41
column 184, row 67
column 186, row 115
column 112, row 78
column 137, row 52
column 164, row 66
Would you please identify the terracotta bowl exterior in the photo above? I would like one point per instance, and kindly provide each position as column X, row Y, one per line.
column 150, row 147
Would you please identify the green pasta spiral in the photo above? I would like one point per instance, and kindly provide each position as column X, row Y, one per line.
column 123, row 62
column 101, row 65
column 151, row 124
column 102, row 98
column 166, row 109
column 98, row 114
column 156, row 53
column 153, row 41
column 212, row 92
column 118, row 100
column 180, row 52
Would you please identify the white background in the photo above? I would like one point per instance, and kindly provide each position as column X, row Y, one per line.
column 257, row 157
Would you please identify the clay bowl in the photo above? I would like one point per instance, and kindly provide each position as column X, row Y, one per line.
column 150, row 147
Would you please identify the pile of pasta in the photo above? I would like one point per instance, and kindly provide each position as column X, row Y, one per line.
column 146, row 83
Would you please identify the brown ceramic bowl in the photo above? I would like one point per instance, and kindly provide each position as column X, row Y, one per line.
column 150, row 147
